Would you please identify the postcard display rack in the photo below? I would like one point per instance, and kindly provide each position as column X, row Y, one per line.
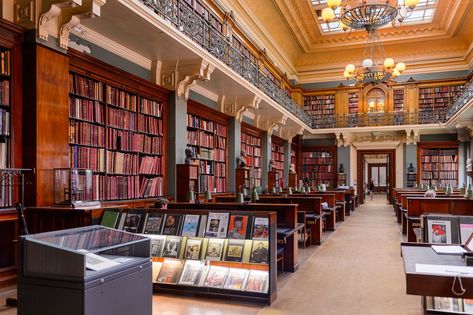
column 88, row 270
column 223, row 254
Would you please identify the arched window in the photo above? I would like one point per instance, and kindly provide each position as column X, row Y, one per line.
column 376, row 99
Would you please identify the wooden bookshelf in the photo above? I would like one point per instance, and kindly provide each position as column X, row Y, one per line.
column 353, row 103
column 436, row 99
column 251, row 142
column 437, row 163
column 187, row 180
column 398, row 100
column 119, row 135
column 320, row 106
column 11, row 38
column 319, row 165
column 411, row 179
column 207, row 132
column 277, row 155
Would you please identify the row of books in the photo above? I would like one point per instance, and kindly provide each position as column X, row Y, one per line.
column 277, row 156
column 220, row 142
column 317, row 154
column 250, row 140
column 211, row 183
column 317, row 161
column 253, row 161
column 205, row 153
column 439, row 166
column 316, row 176
column 122, row 163
column 115, row 187
column 85, row 87
column 453, row 158
column 197, row 273
column 151, row 187
column 220, row 169
column 150, row 124
column 316, row 182
column 5, row 92
column 212, row 225
column 121, row 119
column 321, row 112
column 438, row 89
column 86, row 134
column 86, row 109
column 251, row 150
column 87, row 157
column 318, row 168
column 445, row 304
column 150, row 107
column 439, row 95
column 433, row 151
column 6, row 196
column 196, row 122
column 206, row 167
column 4, row 122
column 439, row 175
column 121, row 98
column 5, row 60
column 150, row 144
column 151, row 165
column 123, row 140
column 219, row 155
column 212, row 249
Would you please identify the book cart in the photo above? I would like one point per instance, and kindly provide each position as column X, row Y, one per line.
column 228, row 254
column 87, row 270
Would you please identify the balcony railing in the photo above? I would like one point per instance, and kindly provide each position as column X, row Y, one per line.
column 461, row 100
column 200, row 30
column 184, row 18
column 378, row 119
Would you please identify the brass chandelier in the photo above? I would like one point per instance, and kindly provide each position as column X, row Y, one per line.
column 370, row 15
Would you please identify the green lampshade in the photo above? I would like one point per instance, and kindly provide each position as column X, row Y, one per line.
column 289, row 190
column 273, row 190
column 308, row 189
column 302, row 189
column 239, row 198
column 207, row 195
column 245, row 191
column 190, row 196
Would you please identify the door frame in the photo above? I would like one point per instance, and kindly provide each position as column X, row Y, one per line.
column 360, row 157
column 377, row 187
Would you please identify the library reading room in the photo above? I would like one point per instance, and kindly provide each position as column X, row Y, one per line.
column 236, row 157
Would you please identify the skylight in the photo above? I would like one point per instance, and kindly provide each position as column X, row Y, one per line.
column 423, row 13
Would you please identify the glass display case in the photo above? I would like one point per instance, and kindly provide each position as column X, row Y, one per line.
column 72, row 186
column 88, row 270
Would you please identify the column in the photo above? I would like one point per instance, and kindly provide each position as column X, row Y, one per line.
column 410, row 156
column 176, row 139
column 343, row 157
column 234, row 148
column 266, row 152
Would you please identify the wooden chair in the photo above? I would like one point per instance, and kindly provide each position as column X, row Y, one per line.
column 304, row 230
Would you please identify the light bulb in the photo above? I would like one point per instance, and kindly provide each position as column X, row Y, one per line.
column 350, row 68
column 343, row 26
column 396, row 72
column 401, row 66
column 411, row 4
column 347, row 74
column 334, row 3
column 328, row 15
column 367, row 63
column 388, row 63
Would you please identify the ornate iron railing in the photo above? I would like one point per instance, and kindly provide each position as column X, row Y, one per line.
column 378, row 119
column 460, row 100
column 200, row 30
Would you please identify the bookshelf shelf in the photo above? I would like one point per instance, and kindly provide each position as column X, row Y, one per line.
column 319, row 165
column 353, row 103
column 320, row 106
column 398, row 100
column 436, row 99
column 438, row 163
column 121, row 145
column 251, row 142
column 276, row 176
column 207, row 136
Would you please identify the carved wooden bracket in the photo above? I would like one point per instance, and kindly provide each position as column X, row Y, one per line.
column 181, row 75
column 239, row 106
column 50, row 10
column 269, row 122
column 345, row 139
column 412, row 136
column 71, row 17
column 468, row 125
column 289, row 133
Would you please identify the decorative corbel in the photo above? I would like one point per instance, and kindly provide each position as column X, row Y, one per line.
column 25, row 13
column 268, row 122
column 190, row 73
column 71, row 17
column 467, row 125
column 345, row 139
column 50, row 11
column 289, row 133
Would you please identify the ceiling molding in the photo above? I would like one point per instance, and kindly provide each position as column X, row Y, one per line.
column 112, row 46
